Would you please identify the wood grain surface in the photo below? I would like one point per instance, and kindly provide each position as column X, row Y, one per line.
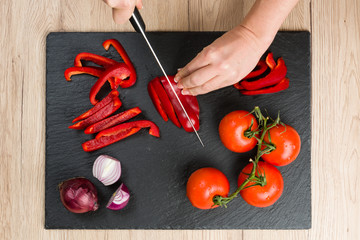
column 335, row 28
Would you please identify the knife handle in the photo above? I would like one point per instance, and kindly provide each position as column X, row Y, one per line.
column 136, row 14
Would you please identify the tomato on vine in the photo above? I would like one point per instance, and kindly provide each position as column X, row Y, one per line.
column 261, row 192
column 204, row 184
column 235, row 131
column 287, row 145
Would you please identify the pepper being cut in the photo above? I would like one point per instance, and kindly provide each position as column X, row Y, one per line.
column 168, row 106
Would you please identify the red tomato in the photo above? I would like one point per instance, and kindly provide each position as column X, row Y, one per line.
column 204, row 184
column 232, row 128
column 287, row 142
column 267, row 195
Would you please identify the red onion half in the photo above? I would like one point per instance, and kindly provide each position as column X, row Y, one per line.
column 78, row 195
column 119, row 199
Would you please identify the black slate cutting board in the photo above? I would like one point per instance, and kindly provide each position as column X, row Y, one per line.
column 156, row 170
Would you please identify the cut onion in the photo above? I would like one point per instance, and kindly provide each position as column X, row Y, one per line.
column 119, row 199
column 107, row 169
column 78, row 195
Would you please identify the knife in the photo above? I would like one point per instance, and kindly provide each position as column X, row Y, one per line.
column 138, row 23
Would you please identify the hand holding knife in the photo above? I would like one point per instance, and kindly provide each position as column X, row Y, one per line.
column 139, row 26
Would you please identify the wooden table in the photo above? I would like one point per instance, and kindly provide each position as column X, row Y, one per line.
column 335, row 28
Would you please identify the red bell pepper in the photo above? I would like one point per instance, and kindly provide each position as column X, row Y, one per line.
column 119, row 132
column 113, row 120
column 274, row 77
column 270, row 62
column 119, row 48
column 98, row 106
column 190, row 104
column 97, row 59
column 96, row 144
column 154, row 130
column 94, row 71
column 282, row 85
column 120, row 70
column 161, row 101
column 258, row 70
column 104, row 112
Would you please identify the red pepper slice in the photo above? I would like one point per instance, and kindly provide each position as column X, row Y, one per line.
column 270, row 62
column 98, row 106
column 161, row 101
column 238, row 86
column 96, row 144
column 94, row 71
column 282, row 85
column 113, row 120
column 154, row 130
column 274, row 77
column 97, row 59
column 119, row 48
column 119, row 70
column 258, row 70
column 104, row 112
column 189, row 103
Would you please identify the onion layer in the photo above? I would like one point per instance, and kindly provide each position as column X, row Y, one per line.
column 119, row 199
column 107, row 169
column 78, row 195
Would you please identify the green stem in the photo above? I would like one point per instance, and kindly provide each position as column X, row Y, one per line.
column 257, row 180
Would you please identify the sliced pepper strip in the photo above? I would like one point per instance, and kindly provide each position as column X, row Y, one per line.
column 119, row 48
column 104, row 112
column 194, row 116
column 258, row 70
column 94, row 71
column 119, row 70
column 282, row 85
column 97, row 59
column 96, row 144
column 270, row 62
column 154, row 130
column 275, row 76
column 165, row 103
column 238, row 86
column 98, row 106
column 156, row 101
column 113, row 120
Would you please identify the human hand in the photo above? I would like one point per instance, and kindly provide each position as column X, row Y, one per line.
column 223, row 63
column 122, row 9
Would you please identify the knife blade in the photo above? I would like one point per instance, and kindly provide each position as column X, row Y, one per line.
column 139, row 26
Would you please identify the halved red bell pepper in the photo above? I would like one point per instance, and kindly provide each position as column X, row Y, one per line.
column 274, row 77
column 120, row 70
column 97, row 59
column 190, row 104
column 113, row 120
column 282, row 85
column 96, row 144
column 119, row 48
column 106, row 100
column 154, row 130
column 258, row 70
column 104, row 112
column 161, row 101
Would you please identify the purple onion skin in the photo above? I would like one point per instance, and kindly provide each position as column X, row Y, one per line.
column 78, row 195
column 124, row 191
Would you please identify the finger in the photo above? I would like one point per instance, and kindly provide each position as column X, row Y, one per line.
column 211, row 85
column 120, row 16
column 196, row 63
column 139, row 4
column 198, row 77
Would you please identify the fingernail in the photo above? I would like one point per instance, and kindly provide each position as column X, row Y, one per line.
column 179, row 69
column 179, row 85
column 176, row 78
column 185, row 92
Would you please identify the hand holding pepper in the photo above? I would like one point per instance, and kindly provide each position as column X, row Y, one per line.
column 232, row 56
